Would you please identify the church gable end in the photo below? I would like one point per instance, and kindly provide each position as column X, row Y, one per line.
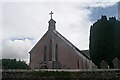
column 54, row 51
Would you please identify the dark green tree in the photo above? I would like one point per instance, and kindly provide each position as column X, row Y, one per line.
column 105, row 40
column 13, row 64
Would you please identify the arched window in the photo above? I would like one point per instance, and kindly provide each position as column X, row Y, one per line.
column 45, row 53
column 78, row 63
column 56, row 52
column 50, row 50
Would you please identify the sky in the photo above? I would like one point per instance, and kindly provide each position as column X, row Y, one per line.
column 24, row 22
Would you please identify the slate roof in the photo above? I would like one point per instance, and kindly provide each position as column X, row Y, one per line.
column 62, row 37
column 86, row 52
column 69, row 43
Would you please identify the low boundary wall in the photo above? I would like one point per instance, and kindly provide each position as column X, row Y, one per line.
column 61, row 74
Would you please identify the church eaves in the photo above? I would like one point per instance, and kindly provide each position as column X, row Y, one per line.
column 70, row 44
column 52, row 28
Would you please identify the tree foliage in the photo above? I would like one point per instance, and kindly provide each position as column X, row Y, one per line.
column 105, row 40
column 13, row 64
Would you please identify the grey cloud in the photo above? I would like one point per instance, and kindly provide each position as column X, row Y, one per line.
column 31, row 20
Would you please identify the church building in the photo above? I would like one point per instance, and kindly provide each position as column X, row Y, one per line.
column 53, row 51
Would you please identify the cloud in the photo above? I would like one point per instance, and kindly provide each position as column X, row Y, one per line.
column 16, row 49
column 59, row 0
column 119, row 10
column 102, row 3
column 0, row 30
column 24, row 23
column 31, row 20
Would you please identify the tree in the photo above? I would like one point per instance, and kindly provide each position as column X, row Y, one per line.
column 13, row 64
column 105, row 40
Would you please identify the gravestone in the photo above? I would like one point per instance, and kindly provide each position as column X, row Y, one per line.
column 116, row 63
column 104, row 65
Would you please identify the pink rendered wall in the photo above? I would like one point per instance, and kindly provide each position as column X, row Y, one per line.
column 67, row 55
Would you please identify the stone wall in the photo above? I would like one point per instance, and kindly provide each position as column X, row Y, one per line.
column 52, row 74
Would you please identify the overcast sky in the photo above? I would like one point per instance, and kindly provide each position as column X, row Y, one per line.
column 24, row 22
